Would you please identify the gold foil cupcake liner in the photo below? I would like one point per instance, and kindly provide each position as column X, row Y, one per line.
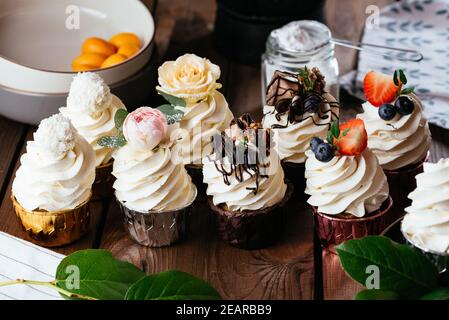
column 157, row 228
column 55, row 228
column 104, row 180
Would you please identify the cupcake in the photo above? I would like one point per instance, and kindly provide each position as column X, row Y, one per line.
column 154, row 192
column 245, row 185
column 398, row 133
column 53, row 184
column 194, row 80
column 426, row 224
column 297, row 109
column 347, row 187
column 91, row 108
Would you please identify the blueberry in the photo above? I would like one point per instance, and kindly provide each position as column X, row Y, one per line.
column 314, row 143
column 404, row 105
column 387, row 112
column 324, row 152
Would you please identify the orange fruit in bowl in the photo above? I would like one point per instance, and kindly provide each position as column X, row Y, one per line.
column 128, row 50
column 98, row 45
column 120, row 39
column 82, row 67
column 94, row 60
column 113, row 60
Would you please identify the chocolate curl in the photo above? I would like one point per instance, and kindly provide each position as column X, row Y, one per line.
column 240, row 144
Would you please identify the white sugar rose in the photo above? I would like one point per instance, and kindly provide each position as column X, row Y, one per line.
column 189, row 77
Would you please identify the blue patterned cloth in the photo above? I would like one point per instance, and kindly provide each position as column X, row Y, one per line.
column 422, row 25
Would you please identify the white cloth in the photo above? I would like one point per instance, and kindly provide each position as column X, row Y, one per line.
column 421, row 25
column 20, row 259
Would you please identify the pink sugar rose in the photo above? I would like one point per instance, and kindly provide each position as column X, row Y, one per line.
column 145, row 128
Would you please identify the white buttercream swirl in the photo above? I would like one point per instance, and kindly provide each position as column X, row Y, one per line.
column 93, row 128
column 42, row 183
column 427, row 220
column 240, row 195
column 293, row 141
column 347, row 184
column 150, row 180
column 200, row 122
column 399, row 142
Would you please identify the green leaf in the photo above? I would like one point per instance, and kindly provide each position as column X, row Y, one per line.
column 437, row 294
column 330, row 138
column 345, row 132
column 376, row 295
column 171, row 285
column 408, row 90
column 119, row 118
column 402, row 77
column 112, row 142
column 402, row 268
column 172, row 114
column 174, row 101
column 395, row 78
column 335, row 129
column 101, row 276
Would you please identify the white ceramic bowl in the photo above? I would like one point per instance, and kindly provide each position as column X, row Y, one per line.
column 37, row 47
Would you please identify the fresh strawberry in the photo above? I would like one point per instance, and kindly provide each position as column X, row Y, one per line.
column 379, row 88
column 353, row 137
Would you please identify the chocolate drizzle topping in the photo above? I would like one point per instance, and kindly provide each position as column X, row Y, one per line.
column 300, row 96
column 245, row 146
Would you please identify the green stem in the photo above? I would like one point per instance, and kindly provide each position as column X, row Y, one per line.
column 51, row 284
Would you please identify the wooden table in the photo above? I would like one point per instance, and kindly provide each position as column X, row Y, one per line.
column 294, row 268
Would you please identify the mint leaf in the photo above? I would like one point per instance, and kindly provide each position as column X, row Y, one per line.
column 376, row 295
column 119, row 118
column 402, row 269
column 408, row 90
column 112, row 142
column 101, row 276
column 437, row 294
column 402, row 77
column 330, row 138
column 171, row 285
column 335, row 129
column 172, row 114
column 395, row 78
column 174, row 101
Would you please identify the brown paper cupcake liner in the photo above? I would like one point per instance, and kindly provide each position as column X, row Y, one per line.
column 333, row 230
column 252, row 229
column 104, row 180
column 401, row 182
column 196, row 173
column 56, row 228
column 156, row 228
column 295, row 173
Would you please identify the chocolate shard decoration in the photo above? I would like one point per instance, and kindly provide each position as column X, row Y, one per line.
column 299, row 95
column 243, row 148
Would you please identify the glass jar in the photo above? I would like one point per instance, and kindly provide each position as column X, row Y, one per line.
column 298, row 44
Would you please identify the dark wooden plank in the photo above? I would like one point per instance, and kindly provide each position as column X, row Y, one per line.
column 9, row 224
column 283, row 271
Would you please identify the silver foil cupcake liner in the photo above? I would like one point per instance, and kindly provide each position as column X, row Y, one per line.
column 156, row 228
column 440, row 260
